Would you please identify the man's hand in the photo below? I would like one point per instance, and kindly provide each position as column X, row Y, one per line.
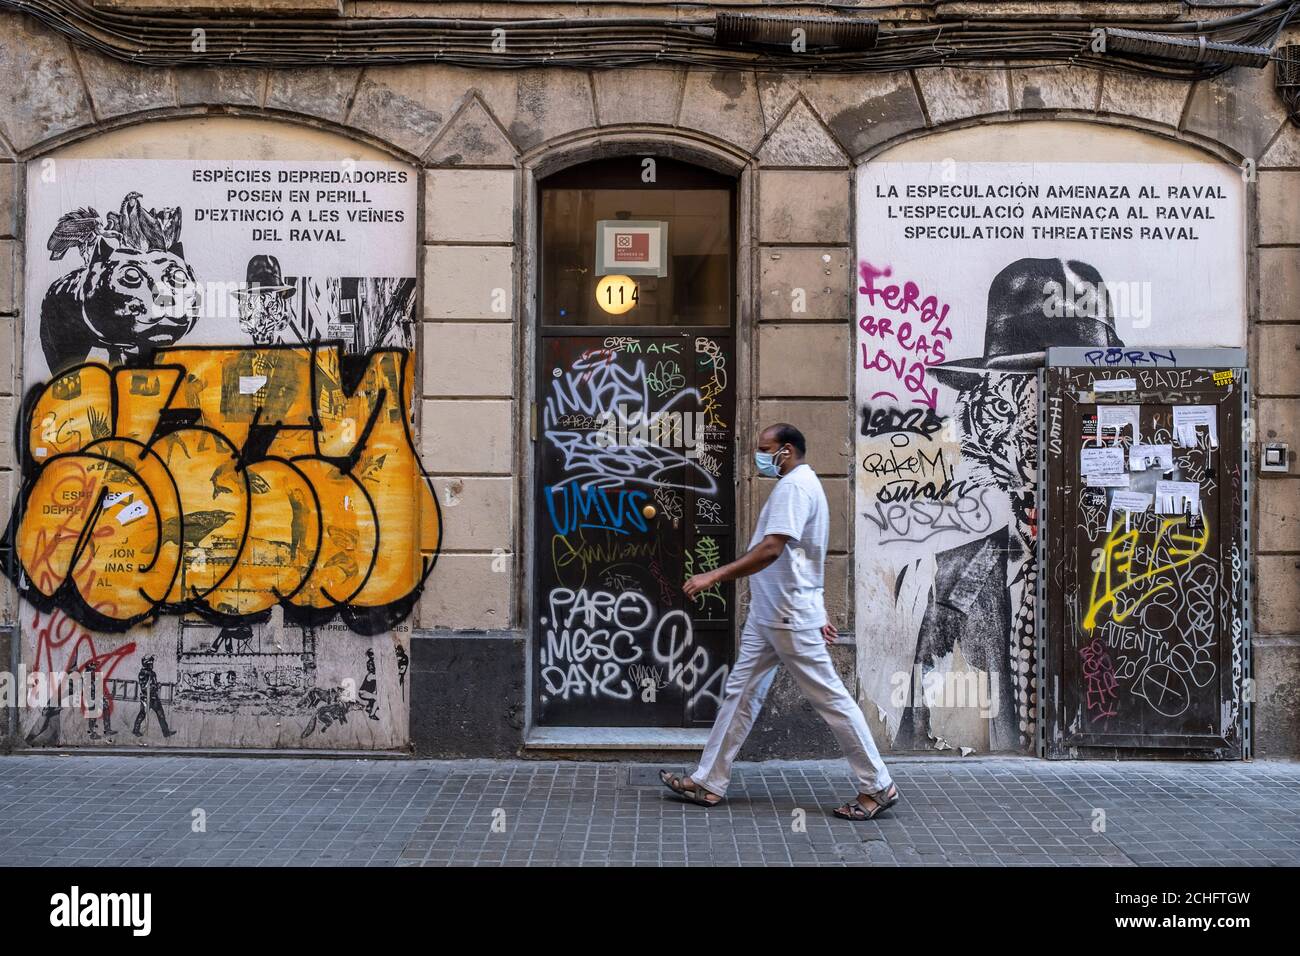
column 699, row 582
column 829, row 633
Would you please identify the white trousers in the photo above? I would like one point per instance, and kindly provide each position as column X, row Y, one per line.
column 805, row 656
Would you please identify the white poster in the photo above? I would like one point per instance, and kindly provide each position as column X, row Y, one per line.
column 967, row 273
column 130, row 255
column 217, row 450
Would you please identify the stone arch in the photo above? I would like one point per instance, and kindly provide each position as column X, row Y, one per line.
column 250, row 120
column 605, row 142
column 137, row 264
column 1206, row 113
column 1207, row 147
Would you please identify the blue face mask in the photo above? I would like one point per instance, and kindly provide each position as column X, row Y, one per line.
column 766, row 463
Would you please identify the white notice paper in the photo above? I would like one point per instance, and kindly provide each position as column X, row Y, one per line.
column 1188, row 418
column 1111, row 418
column 137, row 509
column 1114, row 385
column 1142, row 457
column 1118, row 479
column 1101, row 461
column 251, row 384
column 1178, row 497
column 1127, row 502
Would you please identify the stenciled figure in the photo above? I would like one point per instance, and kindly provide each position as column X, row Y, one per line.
column 150, row 698
column 51, row 710
column 51, row 721
column 982, row 599
column 403, row 664
column 266, row 372
column 97, row 702
column 369, row 692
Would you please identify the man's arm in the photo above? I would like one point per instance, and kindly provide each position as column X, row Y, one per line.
column 752, row 561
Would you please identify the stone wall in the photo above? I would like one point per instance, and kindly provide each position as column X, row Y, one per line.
column 794, row 140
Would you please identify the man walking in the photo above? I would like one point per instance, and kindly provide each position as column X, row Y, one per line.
column 787, row 624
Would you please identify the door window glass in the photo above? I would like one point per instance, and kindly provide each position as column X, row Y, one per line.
column 696, row 207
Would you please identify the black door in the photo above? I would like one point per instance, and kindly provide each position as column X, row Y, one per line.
column 636, row 489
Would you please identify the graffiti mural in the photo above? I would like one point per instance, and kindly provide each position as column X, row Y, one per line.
column 223, row 518
column 635, row 498
column 968, row 272
column 175, row 487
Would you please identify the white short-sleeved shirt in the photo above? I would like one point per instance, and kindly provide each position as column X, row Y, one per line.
column 788, row 593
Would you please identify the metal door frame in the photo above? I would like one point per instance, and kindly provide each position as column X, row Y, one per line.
column 743, row 169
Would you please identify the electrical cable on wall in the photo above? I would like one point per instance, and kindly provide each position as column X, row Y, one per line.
column 610, row 43
column 1288, row 79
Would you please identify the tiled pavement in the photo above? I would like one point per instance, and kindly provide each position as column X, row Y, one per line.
column 142, row 811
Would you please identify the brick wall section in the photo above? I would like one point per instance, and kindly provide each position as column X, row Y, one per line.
column 804, row 332
column 468, row 383
column 1242, row 109
column 1277, row 500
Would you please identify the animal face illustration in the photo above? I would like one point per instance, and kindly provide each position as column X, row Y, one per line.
column 263, row 315
column 998, row 430
column 134, row 301
column 133, row 293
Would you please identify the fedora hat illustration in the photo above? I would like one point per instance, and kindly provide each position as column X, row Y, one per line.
column 264, row 277
column 1034, row 303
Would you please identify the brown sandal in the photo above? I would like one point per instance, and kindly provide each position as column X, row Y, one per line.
column 694, row 795
column 853, row 810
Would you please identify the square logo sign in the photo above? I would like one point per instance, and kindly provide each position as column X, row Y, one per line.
column 631, row 247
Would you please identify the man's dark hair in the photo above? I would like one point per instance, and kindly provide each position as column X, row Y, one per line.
column 786, row 434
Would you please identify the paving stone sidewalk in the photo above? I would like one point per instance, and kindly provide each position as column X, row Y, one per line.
column 141, row 811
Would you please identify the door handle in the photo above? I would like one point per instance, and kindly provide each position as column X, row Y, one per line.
column 648, row 511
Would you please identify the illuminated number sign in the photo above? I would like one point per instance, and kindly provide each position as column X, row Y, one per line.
column 616, row 294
